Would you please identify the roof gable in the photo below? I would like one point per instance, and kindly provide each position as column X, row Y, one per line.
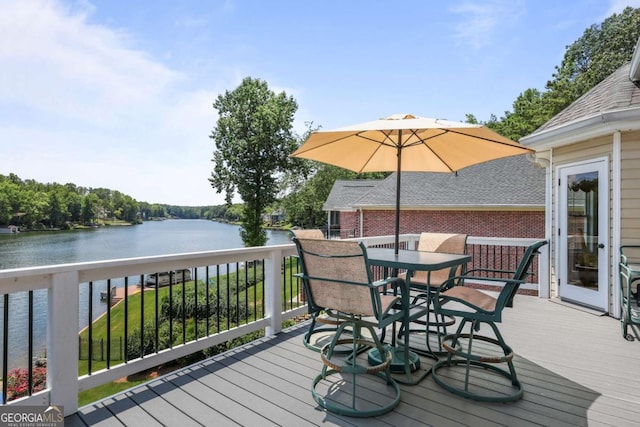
column 616, row 92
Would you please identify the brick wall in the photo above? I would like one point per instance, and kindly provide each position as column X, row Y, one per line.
column 522, row 224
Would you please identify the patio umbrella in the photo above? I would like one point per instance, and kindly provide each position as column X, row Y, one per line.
column 407, row 143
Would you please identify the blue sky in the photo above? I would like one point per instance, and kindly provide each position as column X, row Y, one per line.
column 118, row 94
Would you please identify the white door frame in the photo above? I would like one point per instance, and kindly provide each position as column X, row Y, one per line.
column 598, row 298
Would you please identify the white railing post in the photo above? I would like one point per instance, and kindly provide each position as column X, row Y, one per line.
column 272, row 292
column 62, row 341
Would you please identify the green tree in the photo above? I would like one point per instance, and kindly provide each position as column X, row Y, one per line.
column 595, row 55
column 9, row 201
column 253, row 140
column 35, row 205
column 57, row 206
column 530, row 111
column 74, row 205
column 305, row 202
column 89, row 206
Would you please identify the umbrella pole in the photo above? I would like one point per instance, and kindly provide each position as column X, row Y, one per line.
column 397, row 241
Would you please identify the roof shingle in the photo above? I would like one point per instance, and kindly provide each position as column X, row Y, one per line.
column 509, row 182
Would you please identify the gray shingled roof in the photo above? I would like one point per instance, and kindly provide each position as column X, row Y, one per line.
column 345, row 192
column 614, row 93
column 509, row 182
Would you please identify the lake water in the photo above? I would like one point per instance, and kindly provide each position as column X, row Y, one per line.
column 150, row 238
column 31, row 249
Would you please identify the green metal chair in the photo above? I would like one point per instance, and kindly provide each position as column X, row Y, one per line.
column 423, row 284
column 629, row 291
column 474, row 308
column 336, row 276
column 323, row 322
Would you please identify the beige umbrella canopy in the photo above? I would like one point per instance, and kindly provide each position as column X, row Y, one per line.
column 406, row 143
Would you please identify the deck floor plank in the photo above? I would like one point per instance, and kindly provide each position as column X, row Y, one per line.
column 576, row 368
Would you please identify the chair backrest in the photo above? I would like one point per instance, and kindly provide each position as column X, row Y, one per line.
column 444, row 243
column 310, row 233
column 336, row 275
column 510, row 289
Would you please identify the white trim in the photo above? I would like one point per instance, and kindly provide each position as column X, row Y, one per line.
column 604, row 124
column 545, row 286
column 616, row 166
column 634, row 71
column 600, row 299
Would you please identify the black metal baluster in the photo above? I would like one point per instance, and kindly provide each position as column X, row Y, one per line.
column 170, row 309
column 195, row 293
column 157, row 315
column 184, row 311
column 5, row 347
column 108, row 323
column 206, row 273
column 30, row 343
column 255, row 290
column 90, row 330
column 228, row 299
column 218, row 298
column 246, row 292
column 142, row 316
column 237, row 319
column 126, row 317
column 290, row 282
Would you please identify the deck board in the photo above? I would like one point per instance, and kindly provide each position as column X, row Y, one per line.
column 576, row 368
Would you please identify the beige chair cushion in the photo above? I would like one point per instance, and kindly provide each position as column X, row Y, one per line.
column 325, row 290
column 472, row 296
column 439, row 242
column 311, row 233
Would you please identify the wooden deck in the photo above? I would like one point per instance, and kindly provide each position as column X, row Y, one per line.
column 576, row 368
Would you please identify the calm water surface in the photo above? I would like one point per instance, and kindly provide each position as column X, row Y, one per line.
column 49, row 248
column 150, row 238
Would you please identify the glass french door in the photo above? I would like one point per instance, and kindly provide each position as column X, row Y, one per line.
column 583, row 233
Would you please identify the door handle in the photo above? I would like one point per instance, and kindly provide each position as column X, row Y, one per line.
column 601, row 245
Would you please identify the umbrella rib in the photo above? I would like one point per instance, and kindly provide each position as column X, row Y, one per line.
column 475, row 137
column 323, row 144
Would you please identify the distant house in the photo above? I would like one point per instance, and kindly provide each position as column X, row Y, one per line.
column 591, row 151
column 274, row 217
column 501, row 198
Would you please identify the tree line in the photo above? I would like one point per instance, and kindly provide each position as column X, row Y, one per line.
column 37, row 206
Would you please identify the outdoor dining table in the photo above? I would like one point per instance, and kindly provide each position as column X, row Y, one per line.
column 410, row 261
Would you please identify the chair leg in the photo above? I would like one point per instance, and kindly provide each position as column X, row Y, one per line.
column 437, row 326
column 323, row 325
column 466, row 358
column 347, row 402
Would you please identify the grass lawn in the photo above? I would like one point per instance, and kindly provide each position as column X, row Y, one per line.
column 252, row 295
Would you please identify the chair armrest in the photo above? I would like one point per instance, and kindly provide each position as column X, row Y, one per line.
column 502, row 300
column 394, row 283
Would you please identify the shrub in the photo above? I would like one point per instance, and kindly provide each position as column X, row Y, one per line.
column 18, row 382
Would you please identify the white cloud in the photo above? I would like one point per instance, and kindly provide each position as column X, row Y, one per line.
column 81, row 105
column 481, row 19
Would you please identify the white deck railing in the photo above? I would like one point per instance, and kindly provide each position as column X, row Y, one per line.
column 62, row 283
